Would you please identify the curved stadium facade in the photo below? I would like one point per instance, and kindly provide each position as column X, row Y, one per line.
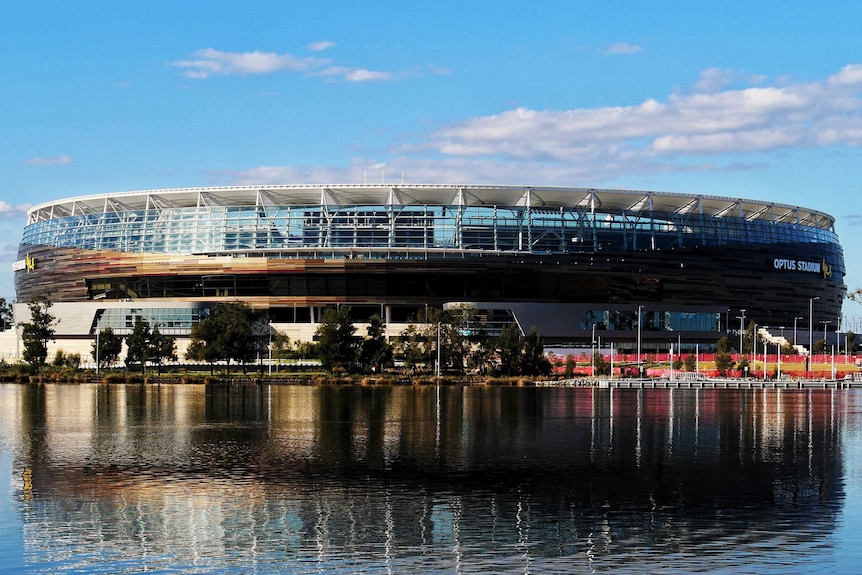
column 567, row 261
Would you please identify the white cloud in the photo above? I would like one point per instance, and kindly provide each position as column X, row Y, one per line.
column 623, row 48
column 261, row 175
column 714, row 79
column 706, row 122
column 355, row 74
column 363, row 75
column 321, row 45
column 210, row 62
column 8, row 210
column 709, row 129
column 424, row 170
column 53, row 161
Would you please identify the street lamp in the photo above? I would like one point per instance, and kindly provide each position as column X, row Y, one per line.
column 811, row 329
column 741, row 319
column 670, row 363
column 825, row 322
column 754, row 351
column 795, row 342
column 611, row 351
column 640, row 367
column 779, row 362
column 838, row 335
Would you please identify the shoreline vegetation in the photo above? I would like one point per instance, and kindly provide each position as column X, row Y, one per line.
column 236, row 344
column 11, row 374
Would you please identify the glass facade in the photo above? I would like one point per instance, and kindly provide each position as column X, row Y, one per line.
column 297, row 249
column 171, row 321
column 652, row 321
column 375, row 230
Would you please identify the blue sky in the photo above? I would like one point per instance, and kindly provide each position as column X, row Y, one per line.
column 745, row 99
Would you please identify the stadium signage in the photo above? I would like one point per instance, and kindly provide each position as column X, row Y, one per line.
column 27, row 263
column 820, row 267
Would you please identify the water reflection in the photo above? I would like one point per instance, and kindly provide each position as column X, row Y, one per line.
column 419, row 479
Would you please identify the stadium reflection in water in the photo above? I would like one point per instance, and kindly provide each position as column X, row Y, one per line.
column 193, row 479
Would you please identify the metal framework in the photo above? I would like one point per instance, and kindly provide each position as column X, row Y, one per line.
column 415, row 221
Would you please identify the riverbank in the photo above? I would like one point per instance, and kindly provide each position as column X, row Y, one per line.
column 705, row 383
column 67, row 377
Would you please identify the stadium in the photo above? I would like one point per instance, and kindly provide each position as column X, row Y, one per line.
column 571, row 262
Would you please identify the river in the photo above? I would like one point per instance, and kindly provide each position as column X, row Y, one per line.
column 251, row 479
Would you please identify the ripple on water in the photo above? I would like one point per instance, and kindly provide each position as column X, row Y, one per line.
column 417, row 480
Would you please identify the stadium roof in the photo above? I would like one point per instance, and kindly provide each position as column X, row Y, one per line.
column 541, row 198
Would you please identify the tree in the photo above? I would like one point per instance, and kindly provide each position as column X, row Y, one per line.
column 235, row 336
column 571, row 364
column 602, row 367
column 5, row 314
column 533, row 360
column 337, row 347
column 162, row 348
column 410, row 348
column 723, row 359
column 70, row 360
column 820, row 347
column 480, row 358
column 305, row 349
column 459, row 335
column 138, row 344
column 418, row 342
column 375, row 351
column 748, row 338
column 38, row 331
column 233, row 331
column 850, row 341
column 690, row 362
column 261, row 336
column 109, row 347
column 510, row 347
column 202, row 346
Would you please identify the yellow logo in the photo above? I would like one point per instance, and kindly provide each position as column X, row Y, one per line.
column 827, row 270
column 30, row 263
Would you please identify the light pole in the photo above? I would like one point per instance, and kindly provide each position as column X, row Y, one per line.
column 593, row 353
column 754, row 351
column 779, row 363
column 611, row 351
column 438, row 349
column 670, row 365
column 825, row 322
column 838, row 335
column 741, row 319
column 811, row 330
column 640, row 367
column 795, row 341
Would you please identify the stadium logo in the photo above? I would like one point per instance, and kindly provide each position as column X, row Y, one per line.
column 28, row 263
